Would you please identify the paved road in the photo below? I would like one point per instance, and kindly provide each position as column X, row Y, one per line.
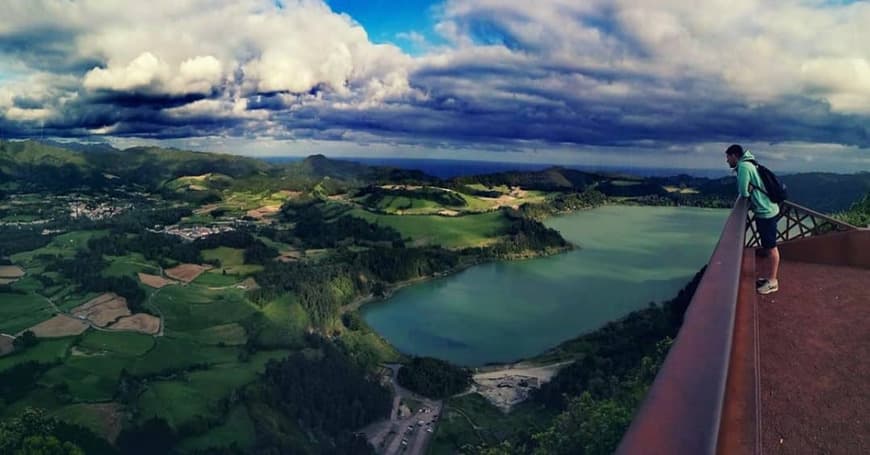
column 407, row 435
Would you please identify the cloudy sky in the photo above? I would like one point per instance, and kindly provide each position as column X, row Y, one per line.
column 666, row 83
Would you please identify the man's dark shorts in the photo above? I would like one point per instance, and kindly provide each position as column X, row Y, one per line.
column 767, row 231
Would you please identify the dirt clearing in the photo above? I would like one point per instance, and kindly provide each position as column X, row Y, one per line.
column 153, row 280
column 6, row 345
column 11, row 271
column 59, row 326
column 10, row 274
column 103, row 309
column 506, row 387
column 289, row 256
column 139, row 322
column 186, row 272
column 249, row 284
column 263, row 212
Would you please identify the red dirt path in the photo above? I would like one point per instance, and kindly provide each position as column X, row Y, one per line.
column 815, row 375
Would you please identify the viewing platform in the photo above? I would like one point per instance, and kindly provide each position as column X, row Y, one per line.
column 784, row 373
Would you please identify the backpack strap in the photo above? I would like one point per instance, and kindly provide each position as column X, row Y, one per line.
column 752, row 185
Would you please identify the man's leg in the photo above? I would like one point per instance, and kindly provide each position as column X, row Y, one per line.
column 773, row 257
column 767, row 232
column 762, row 267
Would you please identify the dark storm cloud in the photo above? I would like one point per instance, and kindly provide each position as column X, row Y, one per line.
column 630, row 75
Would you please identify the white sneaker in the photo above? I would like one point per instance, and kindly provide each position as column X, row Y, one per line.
column 767, row 287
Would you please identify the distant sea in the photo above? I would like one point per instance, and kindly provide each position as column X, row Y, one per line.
column 451, row 168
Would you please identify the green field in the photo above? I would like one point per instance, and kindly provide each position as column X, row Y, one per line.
column 238, row 428
column 20, row 311
column 449, row 232
column 176, row 354
column 476, row 204
column 198, row 394
column 231, row 334
column 46, row 351
column 232, row 260
column 88, row 379
column 286, row 323
column 216, row 279
column 192, row 307
column 28, row 284
column 124, row 344
column 409, row 205
column 129, row 265
column 64, row 245
column 227, row 256
column 246, row 200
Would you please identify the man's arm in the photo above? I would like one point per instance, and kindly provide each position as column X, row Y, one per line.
column 743, row 180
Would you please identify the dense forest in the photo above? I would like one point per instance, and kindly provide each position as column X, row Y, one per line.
column 434, row 378
column 326, row 393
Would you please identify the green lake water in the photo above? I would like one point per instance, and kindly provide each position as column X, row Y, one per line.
column 504, row 311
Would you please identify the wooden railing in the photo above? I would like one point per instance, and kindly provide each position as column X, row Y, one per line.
column 796, row 222
column 683, row 408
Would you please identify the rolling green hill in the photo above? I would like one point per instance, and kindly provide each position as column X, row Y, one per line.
column 63, row 166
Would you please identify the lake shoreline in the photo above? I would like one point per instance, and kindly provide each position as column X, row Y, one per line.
column 359, row 302
column 549, row 354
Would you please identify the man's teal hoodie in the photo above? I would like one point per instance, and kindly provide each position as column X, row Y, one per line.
column 747, row 175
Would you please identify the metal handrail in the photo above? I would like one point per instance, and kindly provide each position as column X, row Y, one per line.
column 683, row 408
column 800, row 222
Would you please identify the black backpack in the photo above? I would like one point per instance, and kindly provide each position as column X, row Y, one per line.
column 773, row 188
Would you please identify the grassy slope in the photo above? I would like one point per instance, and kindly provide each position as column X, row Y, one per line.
column 18, row 312
column 46, row 351
column 232, row 260
column 449, row 232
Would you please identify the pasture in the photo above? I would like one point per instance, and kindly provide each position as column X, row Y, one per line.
column 449, row 232
column 21, row 311
column 232, row 261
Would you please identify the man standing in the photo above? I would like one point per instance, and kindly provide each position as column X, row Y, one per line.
column 750, row 185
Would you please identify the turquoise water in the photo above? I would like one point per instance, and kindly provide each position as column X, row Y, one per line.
column 499, row 312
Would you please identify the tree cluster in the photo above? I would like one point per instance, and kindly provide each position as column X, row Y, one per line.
column 859, row 213
column 434, row 378
column 376, row 194
column 562, row 203
column 317, row 232
column 325, row 392
column 33, row 432
column 15, row 239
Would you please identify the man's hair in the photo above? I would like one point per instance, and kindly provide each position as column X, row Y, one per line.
column 735, row 150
